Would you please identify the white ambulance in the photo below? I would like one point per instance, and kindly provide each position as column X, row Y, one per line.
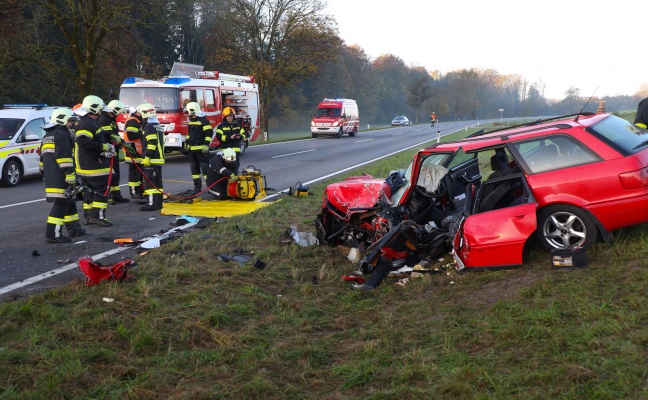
column 20, row 139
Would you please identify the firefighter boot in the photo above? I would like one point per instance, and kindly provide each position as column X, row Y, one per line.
column 197, row 186
column 116, row 197
column 74, row 229
column 159, row 201
column 98, row 217
column 151, row 205
column 87, row 214
column 137, row 195
column 54, row 234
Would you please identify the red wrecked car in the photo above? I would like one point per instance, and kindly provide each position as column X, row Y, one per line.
column 566, row 182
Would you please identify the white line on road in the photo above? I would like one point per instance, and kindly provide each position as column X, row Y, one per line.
column 23, row 203
column 398, row 134
column 291, row 154
column 70, row 266
column 365, row 140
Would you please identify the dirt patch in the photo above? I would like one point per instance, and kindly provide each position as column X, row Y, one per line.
column 506, row 288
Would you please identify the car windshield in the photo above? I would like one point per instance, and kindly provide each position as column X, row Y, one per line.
column 620, row 134
column 426, row 162
column 399, row 118
column 163, row 98
column 9, row 127
column 328, row 112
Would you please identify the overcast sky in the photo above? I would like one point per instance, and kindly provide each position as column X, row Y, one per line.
column 585, row 44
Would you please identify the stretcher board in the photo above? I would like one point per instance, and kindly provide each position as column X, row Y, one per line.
column 213, row 208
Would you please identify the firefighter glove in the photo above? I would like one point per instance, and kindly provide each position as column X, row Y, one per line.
column 105, row 147
column 116, row 139
column 234, row 177
column 70, row 179
column 146, row 162
column 205, row 149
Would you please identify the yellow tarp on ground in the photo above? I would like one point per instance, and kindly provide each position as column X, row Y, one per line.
column 212, row 208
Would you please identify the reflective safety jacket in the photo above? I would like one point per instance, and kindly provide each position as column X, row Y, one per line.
column 199, row 134
column 153, row 142
column 57, row 161
column 225, row 132
column 108, row 125
column 89, row 145
column 133, row 135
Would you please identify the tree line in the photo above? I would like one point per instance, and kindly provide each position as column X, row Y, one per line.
column 58, row 51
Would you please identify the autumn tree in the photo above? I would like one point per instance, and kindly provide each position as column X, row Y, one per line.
column 280, row 42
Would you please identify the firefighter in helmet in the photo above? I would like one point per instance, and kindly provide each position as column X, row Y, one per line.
column 133, row 151
column 230, row 134
column 153, row 152
column 60, row 178
column 199, row 137
column 92, row 154
column 220, row 171
column 108, row 123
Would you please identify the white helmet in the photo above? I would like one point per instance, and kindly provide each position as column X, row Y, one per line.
column 147, row 110
column 229, row 155
column 116, row 107
column 60, row 116
column 193, row 109
column 90, row 104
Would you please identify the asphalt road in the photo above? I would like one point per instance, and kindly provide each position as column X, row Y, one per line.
column 28, row 265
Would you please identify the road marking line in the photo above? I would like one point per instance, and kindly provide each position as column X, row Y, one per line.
column 360, row 141
column 70, row 266
column 291, row 154
column 398, row 134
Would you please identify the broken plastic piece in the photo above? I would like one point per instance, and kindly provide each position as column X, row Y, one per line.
column 126, row 241
column 151, row 243
column 95, row 272
column 259, row 264
column 352, row 278
column 108, row 299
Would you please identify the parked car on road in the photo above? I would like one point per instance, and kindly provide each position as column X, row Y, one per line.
column 565, row 182
column 401, row 120
column 20, row 137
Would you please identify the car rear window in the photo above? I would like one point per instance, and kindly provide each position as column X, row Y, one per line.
column 621, row 135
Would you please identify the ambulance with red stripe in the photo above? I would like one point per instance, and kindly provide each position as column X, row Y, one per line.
column 20, row 139
column 212, row 90
column 335, row 117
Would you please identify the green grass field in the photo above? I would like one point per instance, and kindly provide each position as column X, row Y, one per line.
column 190, row 326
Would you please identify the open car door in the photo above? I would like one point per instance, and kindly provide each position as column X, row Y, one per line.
column 503, row 217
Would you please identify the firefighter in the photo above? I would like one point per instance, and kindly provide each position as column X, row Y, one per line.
column 153, row 145
column 57, row 163
column 433, row 118
column 230, row 134
column 133, row 152
column 641, row 118
column 199, row 137
column 92, row 154
column 108, row 123
column 221, row 169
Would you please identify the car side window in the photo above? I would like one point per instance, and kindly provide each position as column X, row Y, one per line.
column 547, row 154
column 459, row 158
column 33, row 128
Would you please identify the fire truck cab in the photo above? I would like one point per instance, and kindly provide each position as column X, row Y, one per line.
column 211, row 89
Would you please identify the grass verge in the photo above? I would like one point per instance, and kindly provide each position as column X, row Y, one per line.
column 190, row 326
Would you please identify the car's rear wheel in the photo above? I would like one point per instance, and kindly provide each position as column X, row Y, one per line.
column 11, row 173
column 339, row 133
column 353, row 132
column 562, row 226
column 314, row 135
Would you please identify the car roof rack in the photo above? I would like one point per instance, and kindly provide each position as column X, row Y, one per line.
column 536, row 122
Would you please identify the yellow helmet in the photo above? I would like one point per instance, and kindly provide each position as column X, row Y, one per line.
column 228, row 111
column 60, row 116
column 229, row 155
column 193, row 109
column 147, row 110
column 92, row 104
column 116, row 107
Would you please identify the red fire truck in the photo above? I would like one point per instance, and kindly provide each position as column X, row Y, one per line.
column 211, row 89
column 335, row 117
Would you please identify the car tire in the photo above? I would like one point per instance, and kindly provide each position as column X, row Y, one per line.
column 12, row 173
column 339, row 133
column 353, row 132
column 563, row 226
column 314, row 135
